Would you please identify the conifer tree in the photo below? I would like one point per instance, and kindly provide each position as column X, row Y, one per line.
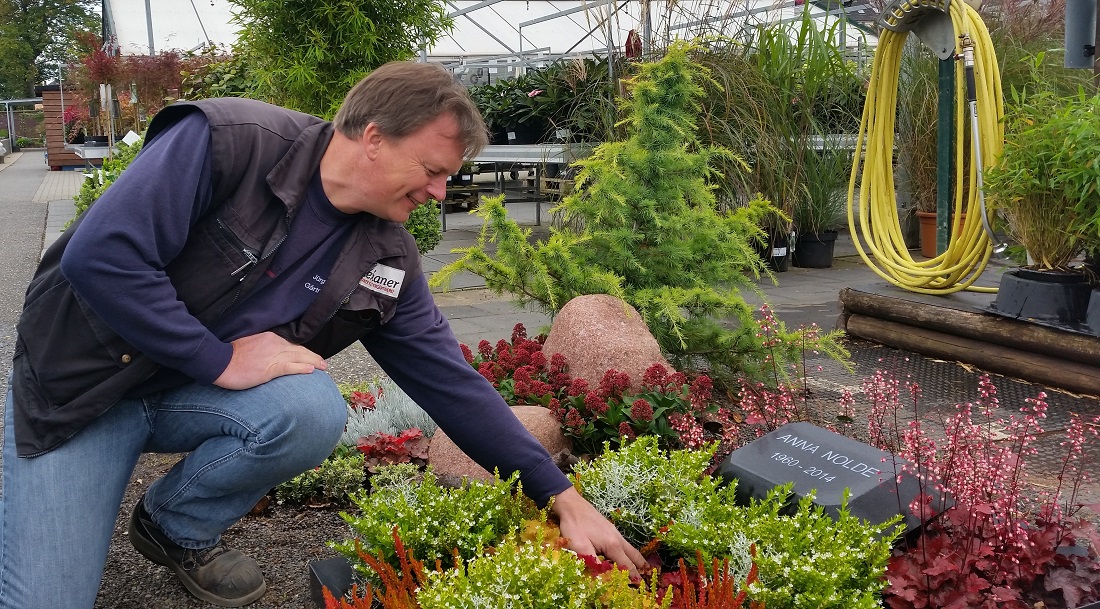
column 649, row 232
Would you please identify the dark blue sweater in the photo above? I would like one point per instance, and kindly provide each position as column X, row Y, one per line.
column 116, row 262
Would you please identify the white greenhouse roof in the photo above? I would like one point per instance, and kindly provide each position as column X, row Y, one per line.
column 489, row 28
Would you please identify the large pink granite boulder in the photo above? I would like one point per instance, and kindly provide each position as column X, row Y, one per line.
column 598, row 332
column 451, row 465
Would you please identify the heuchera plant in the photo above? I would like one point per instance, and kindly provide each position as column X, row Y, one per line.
column 1000, row 545
column 669, row 406
column 384, row 449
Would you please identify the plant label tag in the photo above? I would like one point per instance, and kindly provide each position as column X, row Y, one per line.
column 779, row 252
column 384, row 280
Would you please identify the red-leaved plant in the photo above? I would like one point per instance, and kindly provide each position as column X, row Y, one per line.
column 669, row 405
column 409, row 446
column 998, row 543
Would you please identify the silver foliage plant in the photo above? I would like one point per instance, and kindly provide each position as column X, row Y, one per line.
column 394, row 412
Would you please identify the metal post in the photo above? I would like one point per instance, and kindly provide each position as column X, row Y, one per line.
column 945, row 140
column 611, row 41
column 1096, row 45
column 149, row 26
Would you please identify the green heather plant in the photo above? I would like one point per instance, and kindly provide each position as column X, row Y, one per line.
column 651, row 233
column 805, row 557
column 432, row 520
column 426, row 226
column 333, row 481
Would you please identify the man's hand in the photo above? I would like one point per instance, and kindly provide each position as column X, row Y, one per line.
column 592, row 534
column 261, row 357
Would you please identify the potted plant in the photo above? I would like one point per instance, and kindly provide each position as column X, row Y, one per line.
column 818, row 213
column 1044, row 185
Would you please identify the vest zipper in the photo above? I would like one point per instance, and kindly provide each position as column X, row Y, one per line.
column 248, row 253
column 253, row 260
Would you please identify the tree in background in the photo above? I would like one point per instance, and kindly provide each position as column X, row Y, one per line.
column 649, row 231
column 36, row 36
column 314, row 52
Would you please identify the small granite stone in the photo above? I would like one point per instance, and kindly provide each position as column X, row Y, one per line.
column 451, row 465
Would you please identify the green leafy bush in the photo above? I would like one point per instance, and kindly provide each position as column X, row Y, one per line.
column 97, row 182
column 432, row 520
column 425, row 226
column 333, row 481
column 805, row 558
column 314, row 52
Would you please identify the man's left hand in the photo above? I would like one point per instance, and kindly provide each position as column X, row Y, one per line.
column 590, row 533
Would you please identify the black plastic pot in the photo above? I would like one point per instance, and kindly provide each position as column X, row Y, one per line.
column 1092, row 316
column 1052, row 297
column 526, row 133
column 498, row 136
column 776, row 253
column 814, row 250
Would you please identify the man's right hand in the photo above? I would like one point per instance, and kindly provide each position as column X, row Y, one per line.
column 261, row 357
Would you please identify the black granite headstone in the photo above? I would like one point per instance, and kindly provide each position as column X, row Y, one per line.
column 336, row 574
column 818, row 460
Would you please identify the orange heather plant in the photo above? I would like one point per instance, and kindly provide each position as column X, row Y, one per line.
column 398, row 589
column 715, row 590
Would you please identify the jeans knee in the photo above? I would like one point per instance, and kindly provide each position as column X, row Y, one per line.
column 312, row 420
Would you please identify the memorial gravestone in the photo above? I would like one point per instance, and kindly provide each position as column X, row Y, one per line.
column 817, row 460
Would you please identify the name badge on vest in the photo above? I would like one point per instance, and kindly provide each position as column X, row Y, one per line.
column 384, row 280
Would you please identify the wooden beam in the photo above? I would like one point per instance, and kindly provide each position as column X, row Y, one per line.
column 1002, row 331
column 1055, row 372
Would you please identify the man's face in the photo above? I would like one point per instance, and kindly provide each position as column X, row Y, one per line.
column 408, row 171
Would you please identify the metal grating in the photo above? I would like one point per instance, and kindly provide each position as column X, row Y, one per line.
column 944, row 385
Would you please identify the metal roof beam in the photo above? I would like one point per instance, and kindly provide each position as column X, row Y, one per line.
column 468, row 9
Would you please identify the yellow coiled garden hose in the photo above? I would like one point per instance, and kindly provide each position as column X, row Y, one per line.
column 878, row 237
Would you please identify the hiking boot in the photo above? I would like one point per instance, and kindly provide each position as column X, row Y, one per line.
column 216, row 575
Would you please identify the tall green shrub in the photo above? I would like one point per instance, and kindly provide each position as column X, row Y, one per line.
column 314, row 52
column 650, row 234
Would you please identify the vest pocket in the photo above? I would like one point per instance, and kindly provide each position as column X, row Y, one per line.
column 69, row 348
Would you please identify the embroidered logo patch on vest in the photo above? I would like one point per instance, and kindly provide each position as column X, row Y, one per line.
column 384, row 280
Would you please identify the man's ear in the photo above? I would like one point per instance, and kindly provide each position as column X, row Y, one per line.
column 372, row 140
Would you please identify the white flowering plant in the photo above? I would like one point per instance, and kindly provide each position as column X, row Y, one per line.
column 532, row 575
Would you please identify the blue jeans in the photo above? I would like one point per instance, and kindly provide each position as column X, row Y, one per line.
column 59, row 509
